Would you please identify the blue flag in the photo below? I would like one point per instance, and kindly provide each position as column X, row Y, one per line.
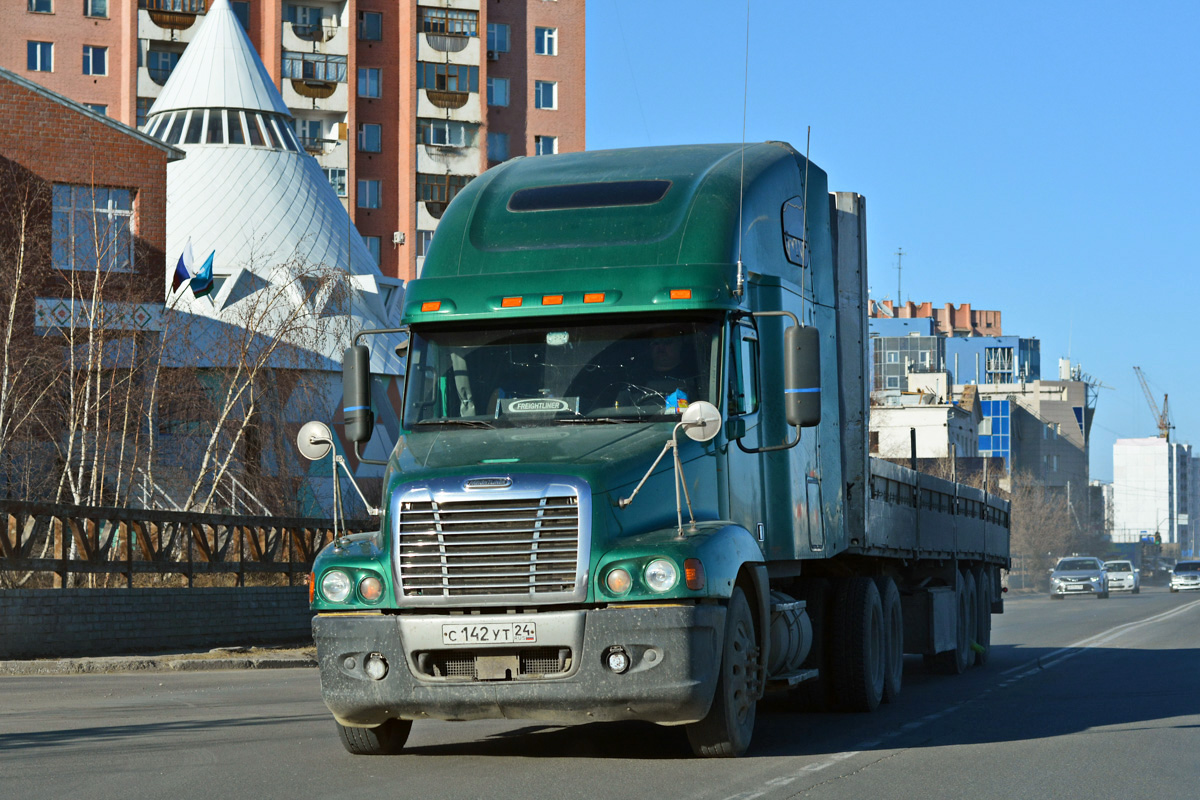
column 202, row 284
column 183, row 269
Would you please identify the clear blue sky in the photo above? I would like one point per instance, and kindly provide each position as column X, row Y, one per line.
column 1038, row 158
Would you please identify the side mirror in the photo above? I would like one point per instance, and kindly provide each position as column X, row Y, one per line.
column 802, row 376
column 356, row 394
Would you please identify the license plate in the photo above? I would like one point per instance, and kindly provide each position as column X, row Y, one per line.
column 489, row 633
column 1074, row 588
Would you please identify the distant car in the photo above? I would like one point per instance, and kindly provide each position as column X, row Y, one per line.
column 1080, row 576
column 1123, row 577
column 1186, row 576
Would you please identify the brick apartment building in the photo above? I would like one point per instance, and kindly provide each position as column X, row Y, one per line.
column 401, row 103
column 101, row 183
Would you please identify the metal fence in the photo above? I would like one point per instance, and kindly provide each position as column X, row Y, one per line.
column 55, row 546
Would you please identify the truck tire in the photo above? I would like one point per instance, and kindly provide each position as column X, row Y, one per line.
column 956, row 661
column 726, row 730
column 858, row 645
column 983, row 624
column 893, row 638
column 383, row 740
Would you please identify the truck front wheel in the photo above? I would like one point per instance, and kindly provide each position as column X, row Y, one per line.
column 729, row 725
column 383, row 740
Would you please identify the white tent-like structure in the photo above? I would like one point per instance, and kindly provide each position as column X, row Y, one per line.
column 249, row 194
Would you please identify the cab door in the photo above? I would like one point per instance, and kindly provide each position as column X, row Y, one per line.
column 744, row 413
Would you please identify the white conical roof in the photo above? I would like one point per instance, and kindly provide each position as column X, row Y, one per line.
column 220, row 68
column 248, row 192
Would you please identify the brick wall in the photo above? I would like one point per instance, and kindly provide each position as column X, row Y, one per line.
column 65, row 623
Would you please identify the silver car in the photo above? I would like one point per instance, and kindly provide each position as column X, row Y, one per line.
column 1123, row 577
column 1078, row 575
column 1185, row 576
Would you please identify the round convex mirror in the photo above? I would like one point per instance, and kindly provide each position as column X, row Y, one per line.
column 314, row 440
column 701, row 421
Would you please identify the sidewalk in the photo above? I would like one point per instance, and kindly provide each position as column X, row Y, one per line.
column 220, row 658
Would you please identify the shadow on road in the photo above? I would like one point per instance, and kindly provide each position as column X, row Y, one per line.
column 1096, row 688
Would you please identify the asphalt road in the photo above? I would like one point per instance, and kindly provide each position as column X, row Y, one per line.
column 1081, row 698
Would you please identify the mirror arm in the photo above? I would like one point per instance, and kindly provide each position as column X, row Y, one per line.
column 364, row 460
column 772, row 448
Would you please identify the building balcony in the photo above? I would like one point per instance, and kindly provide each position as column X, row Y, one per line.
column 316, row 38
column 174, row 15
column 315, row 146
column 315, row 94
column 447, row 43
column 159, row 74
column 443, row 98
column 314, row 89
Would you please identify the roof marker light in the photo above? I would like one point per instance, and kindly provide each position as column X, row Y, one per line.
column 510, row 302
column 593, row 297
column 552, row 300
column 431, row 305
column 681, row 294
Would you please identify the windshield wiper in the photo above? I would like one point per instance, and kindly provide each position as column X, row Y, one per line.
column 466, row 423
column 600, row 420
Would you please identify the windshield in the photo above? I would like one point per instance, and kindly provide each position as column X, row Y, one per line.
column 1076, row 565
column 536, row 374
column 1118, row 566
column 1187, row 566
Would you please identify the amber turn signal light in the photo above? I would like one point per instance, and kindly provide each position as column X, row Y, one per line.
column 510, row 302
column 681, row 294
column 431, row 305
column 693, row 574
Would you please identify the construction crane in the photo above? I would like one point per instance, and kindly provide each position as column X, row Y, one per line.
column 1161, row 418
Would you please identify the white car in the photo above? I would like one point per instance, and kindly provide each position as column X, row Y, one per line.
column 1186, row 576
column 1079, row 576
column 1123, row 577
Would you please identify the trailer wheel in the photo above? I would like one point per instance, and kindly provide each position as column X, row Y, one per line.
column 726, row 730
column 383, row 740
column 858, row 645
column 893, row 638
column 983, row 623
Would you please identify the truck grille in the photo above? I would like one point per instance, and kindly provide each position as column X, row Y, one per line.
column 476, row 545
column 539, row 662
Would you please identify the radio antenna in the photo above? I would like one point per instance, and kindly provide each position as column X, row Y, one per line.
column 741, row 276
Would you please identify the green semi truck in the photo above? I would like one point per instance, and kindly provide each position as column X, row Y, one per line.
column 632, row 479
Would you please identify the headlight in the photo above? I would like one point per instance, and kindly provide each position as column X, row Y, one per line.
column 370, row 589
column 335, row 586
column 618, row 581
column 661, row 575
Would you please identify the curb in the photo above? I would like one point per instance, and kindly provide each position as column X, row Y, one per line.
column 119, row 664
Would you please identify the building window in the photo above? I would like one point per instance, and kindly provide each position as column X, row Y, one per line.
column 91, row 228
column 424, row 238
column 99, row 108
column 143, row 108
column 369, row 194
column 545, row 145
column 497, row 37
column 241, row 10
column 370, row 26
column 497, row 91
column 447, row 77
column 41, row 57
column 314, row 67
column 95, row 8
column 41, row 6
column 95, row 60
column 497, row 147
column 893, row 357
column 439, row 188
column 444, row 132
column 370, row 137
column 372, row 243
column 306, row 18
column 337, row 179
column 893, row 382
column 545, row 41
column 160, row 64
column 449, row 21
column 545, row 94
column 369, row 79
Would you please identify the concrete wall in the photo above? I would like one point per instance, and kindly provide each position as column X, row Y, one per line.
column 60, row 623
